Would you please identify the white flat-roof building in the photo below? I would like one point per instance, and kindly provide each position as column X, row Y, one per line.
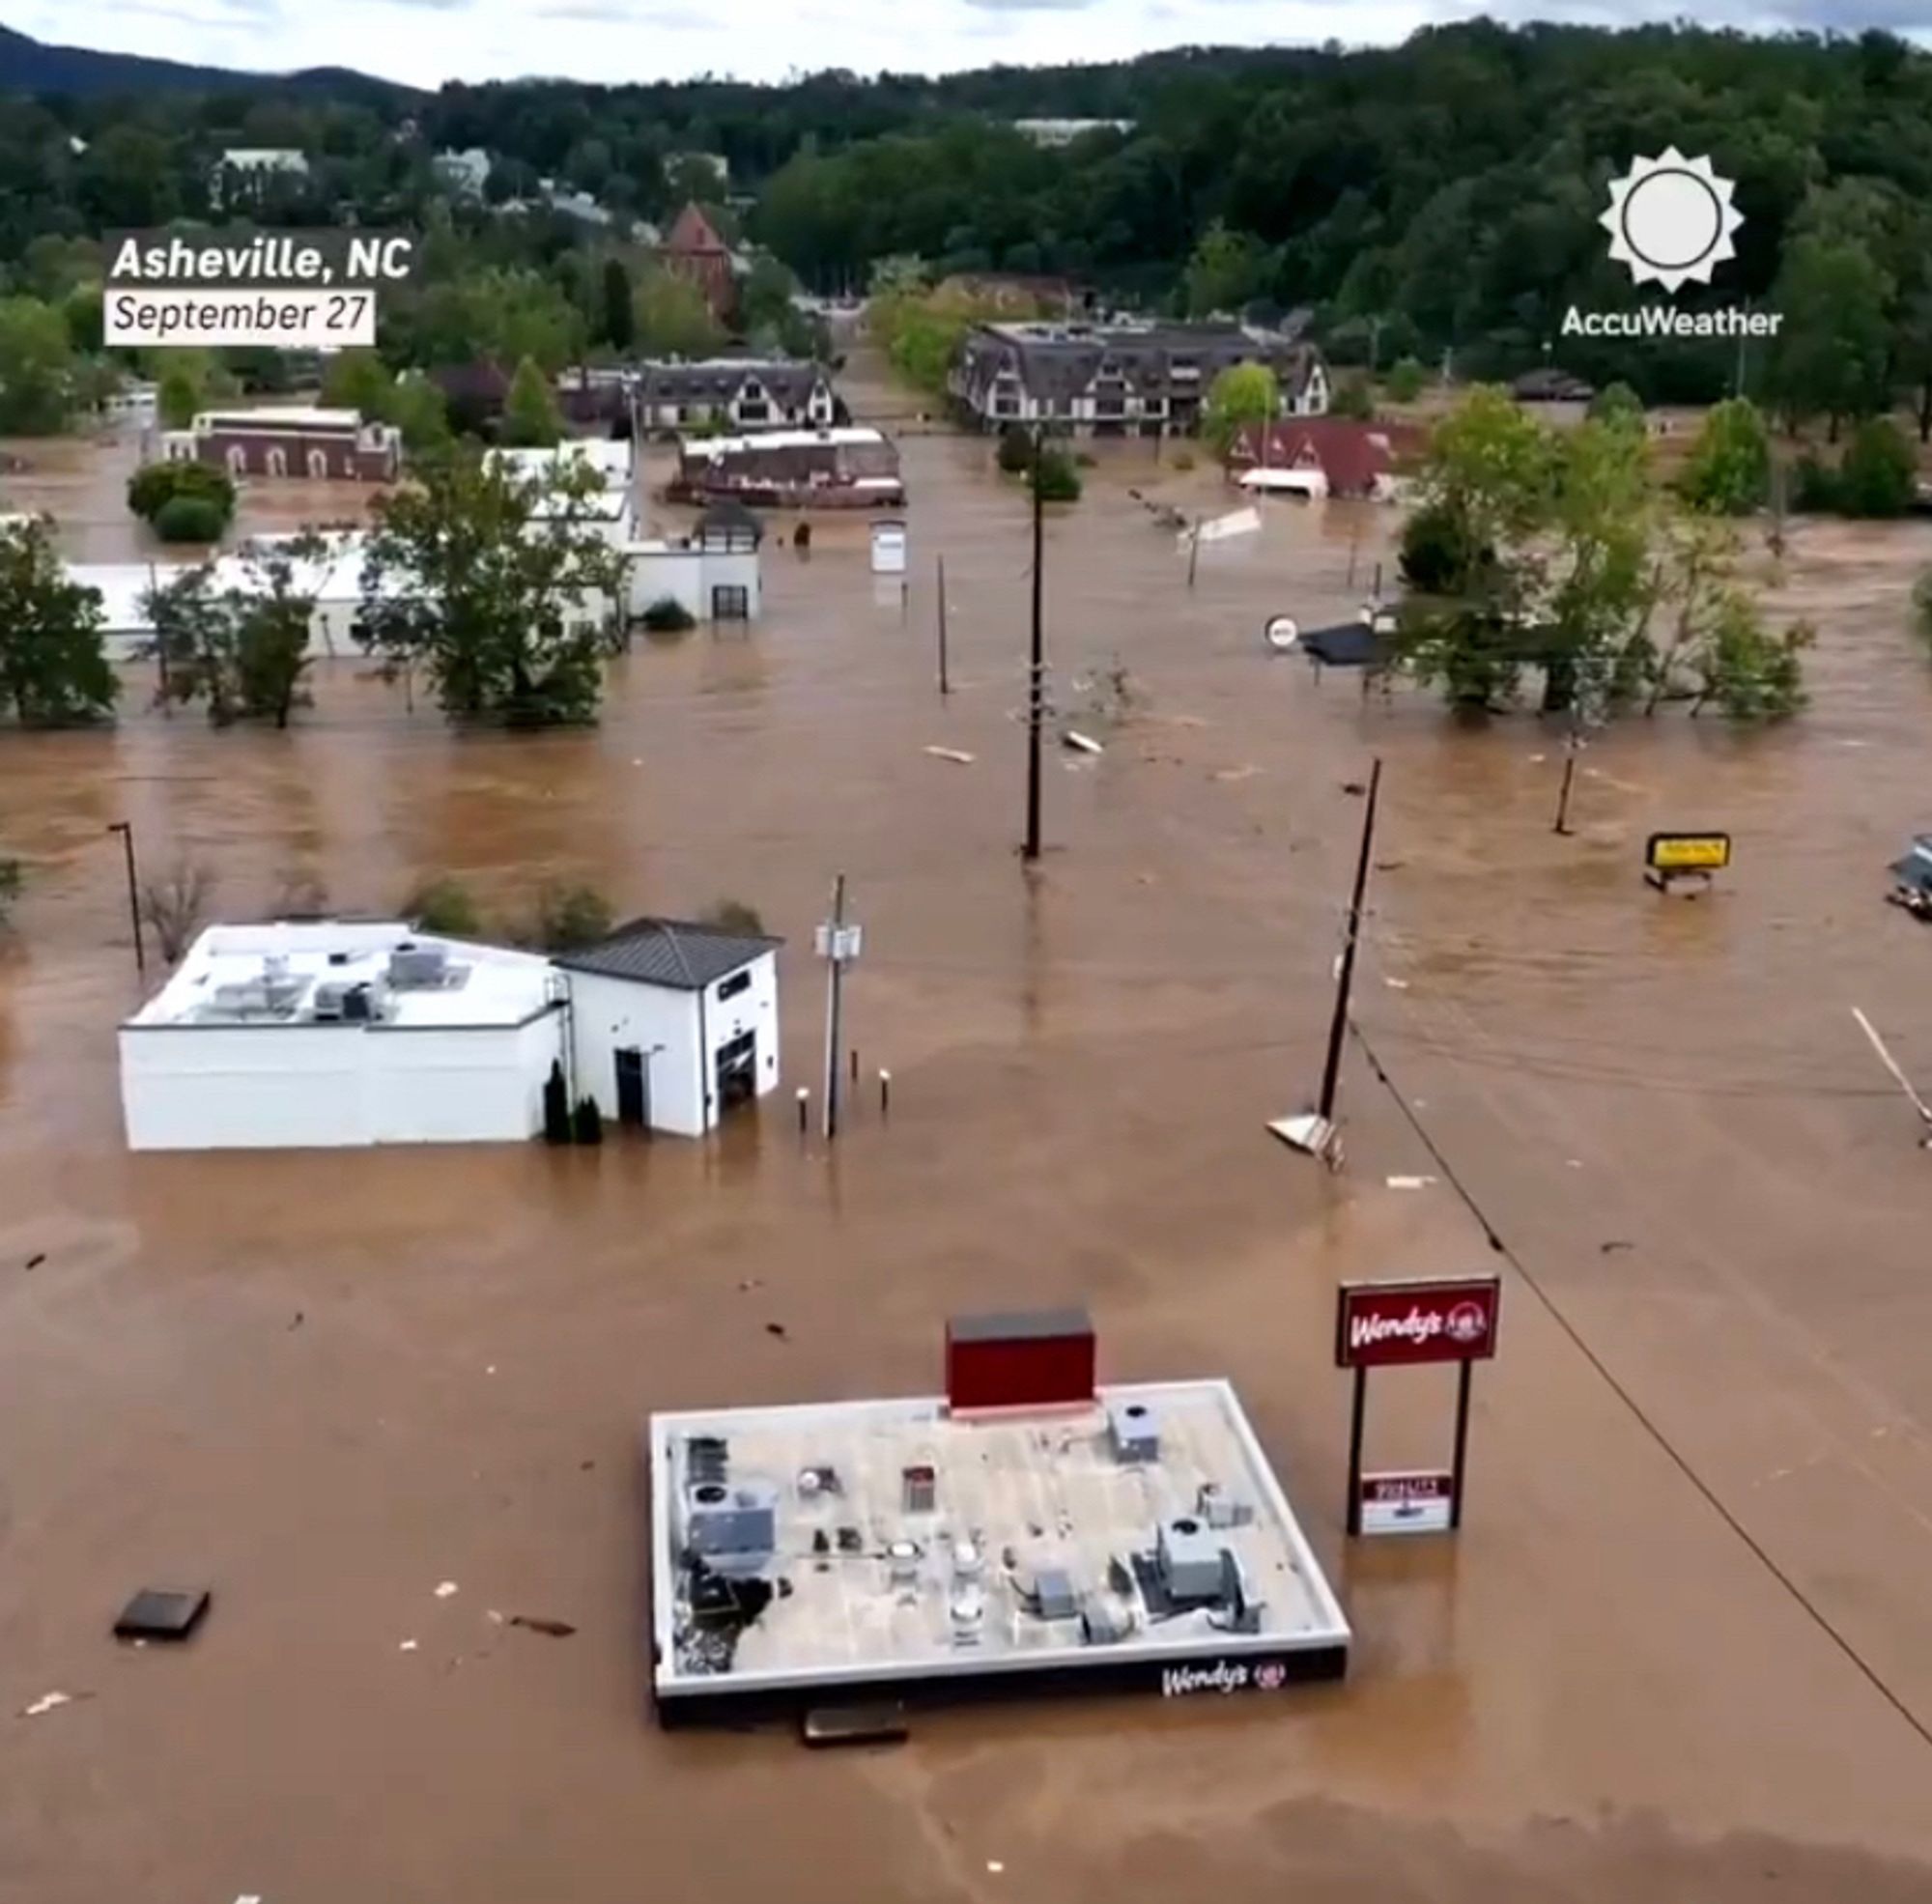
column 614, row 504
column 306, row 1035
column 333, row 581
column 332, row 1034
column 714, row 572
column 1133, row 1540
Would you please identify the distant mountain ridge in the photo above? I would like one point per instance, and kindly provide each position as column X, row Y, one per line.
column 30, row 66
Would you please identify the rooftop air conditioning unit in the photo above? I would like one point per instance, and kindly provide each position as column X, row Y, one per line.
column 414, row 967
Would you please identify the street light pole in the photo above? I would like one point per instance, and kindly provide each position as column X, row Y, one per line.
column 125, row 829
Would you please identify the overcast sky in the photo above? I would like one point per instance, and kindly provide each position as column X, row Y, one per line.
column 426, row 41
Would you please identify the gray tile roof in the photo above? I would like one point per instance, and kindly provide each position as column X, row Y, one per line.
column 679, row 953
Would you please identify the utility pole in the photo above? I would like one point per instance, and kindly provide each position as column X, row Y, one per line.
column 838, row 945
column 125, row 829
column 1193, row 552
column 1331, row 1072
column 1036, row 676
column 944, row 686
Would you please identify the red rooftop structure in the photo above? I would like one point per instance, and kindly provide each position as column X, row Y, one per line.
column 1033, row 1359
column 693, row 250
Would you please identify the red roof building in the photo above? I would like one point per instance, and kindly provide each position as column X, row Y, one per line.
column 1357, row 459
column 694, row 250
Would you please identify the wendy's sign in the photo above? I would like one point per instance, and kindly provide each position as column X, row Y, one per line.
column 1380, row 1325
column 1384, row 1324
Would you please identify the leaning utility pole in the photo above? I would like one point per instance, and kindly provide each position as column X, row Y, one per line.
column 1036, row 676
column 1331, row 1072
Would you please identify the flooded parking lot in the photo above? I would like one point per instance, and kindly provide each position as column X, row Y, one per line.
column 1682, row 1647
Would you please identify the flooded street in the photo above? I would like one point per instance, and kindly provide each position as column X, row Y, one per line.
column 1683, row 1646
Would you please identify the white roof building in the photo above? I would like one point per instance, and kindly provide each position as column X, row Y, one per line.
column 614, row 504
column 1063, row 132
column 305, row 1035
column 466, row 172
column 334, row 1034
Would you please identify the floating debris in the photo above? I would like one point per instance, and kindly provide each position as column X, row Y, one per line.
column 445, row 1590
column 1410, row 1182
column 956, row 756
column 51, row 1702
column 552, row 1629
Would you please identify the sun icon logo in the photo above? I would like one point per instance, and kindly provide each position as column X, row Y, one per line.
column 1670, row 219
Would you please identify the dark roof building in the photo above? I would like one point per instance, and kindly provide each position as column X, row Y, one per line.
column 1551, row 386
column 1124, row 378
column 681, row 955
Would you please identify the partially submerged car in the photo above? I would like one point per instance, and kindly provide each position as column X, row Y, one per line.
column 1912, row 878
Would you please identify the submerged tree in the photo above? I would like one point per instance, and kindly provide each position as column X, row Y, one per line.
column 501, row 584
column 1554, row 555
column 241, row 651
column 53, row 670
column 1728, row 473
column 1244, row 394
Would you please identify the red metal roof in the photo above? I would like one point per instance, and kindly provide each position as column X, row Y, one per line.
column 1352, row 455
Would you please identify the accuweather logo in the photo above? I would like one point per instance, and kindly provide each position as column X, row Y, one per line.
column 1671, row 222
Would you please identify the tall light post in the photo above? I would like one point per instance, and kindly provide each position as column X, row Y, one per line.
column 125, row 829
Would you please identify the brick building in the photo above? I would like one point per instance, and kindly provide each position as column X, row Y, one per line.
column 693, row 250
column 334, row 445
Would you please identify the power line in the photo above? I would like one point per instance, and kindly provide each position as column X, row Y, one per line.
column 1630, row 1402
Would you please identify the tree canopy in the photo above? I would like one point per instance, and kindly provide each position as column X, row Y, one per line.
column 52, row 671
column 498, row 584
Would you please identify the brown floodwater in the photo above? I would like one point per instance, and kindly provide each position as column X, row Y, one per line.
column 1680, row 1648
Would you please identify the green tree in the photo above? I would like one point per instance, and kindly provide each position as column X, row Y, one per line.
column 1833, row 350
column 53, row 672
column 1014, row 455
column 359, row 379
column 1354, row 399
column 496, row 584
column 11, row 881
column 178, row 397
column 672, row 319
column 531, row 415
column 1728, row 471
column 445, row 906
column 1057, row 476
column 155, row 485
column 620, row 324
column 417, row 409
column 1437, row 557
column 35, row 368
column 1617, row 403
column 1244, row 394
column 569, row 918
column 1227, row 270
column 1879, row 475
column 1407, row 379
column 188, row 518
column 765, row 303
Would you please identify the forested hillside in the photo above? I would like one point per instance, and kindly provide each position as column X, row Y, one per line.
column 1440, row 195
